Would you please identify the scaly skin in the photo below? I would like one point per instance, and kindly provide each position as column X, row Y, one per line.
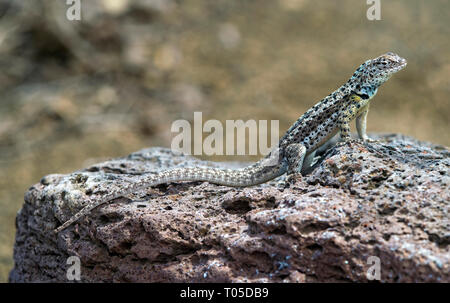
column 296, row 148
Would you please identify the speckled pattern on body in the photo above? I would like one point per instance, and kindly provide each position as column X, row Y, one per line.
column 296, row 149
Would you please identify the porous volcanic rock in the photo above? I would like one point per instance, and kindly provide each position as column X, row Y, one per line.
column 387, row 199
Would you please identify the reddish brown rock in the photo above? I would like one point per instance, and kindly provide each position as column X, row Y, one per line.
column 388, row 199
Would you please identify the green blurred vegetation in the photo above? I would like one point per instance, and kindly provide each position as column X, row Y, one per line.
column 77, row 92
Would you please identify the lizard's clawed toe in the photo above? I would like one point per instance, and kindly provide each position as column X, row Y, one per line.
column 294, row 177
column 368, row 141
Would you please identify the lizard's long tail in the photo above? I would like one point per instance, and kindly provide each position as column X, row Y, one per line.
column 247, row 176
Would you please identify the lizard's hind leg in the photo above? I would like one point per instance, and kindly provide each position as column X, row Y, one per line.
column 308, row 161
column 295, row 155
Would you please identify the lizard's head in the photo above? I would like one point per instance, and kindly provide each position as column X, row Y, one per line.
column 372, row 73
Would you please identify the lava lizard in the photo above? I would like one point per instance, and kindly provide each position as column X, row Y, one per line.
column 296, row 149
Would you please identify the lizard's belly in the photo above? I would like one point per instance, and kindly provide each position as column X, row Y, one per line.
column 321, row 140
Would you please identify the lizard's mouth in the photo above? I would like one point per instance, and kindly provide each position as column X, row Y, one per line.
column 399, row 66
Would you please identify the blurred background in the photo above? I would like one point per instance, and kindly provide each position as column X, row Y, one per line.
column 73, row 93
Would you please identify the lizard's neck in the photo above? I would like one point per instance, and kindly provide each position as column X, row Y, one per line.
column 367, row 92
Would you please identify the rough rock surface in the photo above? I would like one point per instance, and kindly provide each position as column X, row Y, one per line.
column 388, row 199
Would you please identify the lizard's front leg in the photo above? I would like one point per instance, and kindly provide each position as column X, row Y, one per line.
column 361, row 122
column 295, row 154
column 344, row 121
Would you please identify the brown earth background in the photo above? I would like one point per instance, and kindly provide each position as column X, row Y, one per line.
column 74, row 93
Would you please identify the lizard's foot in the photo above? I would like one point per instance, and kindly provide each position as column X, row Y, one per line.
column 367, row 140
column 346, row 138
column 294, row 177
